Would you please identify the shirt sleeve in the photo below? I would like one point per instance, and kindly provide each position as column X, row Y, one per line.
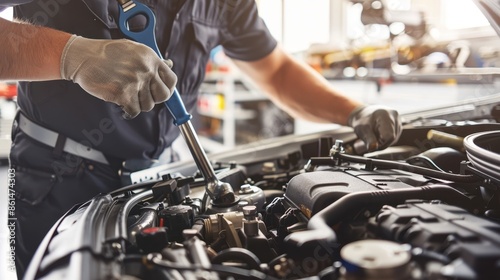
column 248, row 37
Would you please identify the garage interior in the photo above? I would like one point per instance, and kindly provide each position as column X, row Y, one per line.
column 412, row 55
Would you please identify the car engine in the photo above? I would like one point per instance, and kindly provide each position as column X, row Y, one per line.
column 308, row 207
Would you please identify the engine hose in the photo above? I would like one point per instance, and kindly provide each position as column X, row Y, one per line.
column 238, row 254
column 350, row 203
column 147, row 219
column 125, row 209
column 483, row 152
column 370, row 163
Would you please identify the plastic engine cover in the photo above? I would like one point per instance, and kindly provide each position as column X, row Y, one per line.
column 311, row 192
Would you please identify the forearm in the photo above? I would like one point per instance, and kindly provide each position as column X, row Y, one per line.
column 30, row 52
column 299, row 89
column 309, row 95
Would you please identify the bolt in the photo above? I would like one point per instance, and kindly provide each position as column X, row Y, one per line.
column 338, row 147
column 250, row 223
column 116, row 248
column 250, row 212
column 338, row 143
column 242, row 204
column 282, row 268
column 246, row 189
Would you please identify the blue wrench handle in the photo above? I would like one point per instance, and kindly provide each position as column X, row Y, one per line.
column 177, row 109
column 147, row 37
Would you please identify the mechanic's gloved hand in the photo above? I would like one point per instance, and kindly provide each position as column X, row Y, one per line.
column 120, row 71
column 378, row 126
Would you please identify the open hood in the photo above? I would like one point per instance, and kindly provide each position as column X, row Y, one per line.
column 491, row 10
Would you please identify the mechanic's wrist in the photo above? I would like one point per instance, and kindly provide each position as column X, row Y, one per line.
column 354, row 113
column 64, row 62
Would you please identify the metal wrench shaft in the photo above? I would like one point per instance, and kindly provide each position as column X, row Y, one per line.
column 220, row 192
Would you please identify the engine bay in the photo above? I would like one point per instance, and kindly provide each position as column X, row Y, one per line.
column 307, row 208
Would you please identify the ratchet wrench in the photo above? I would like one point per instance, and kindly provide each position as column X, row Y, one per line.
column 221, row 193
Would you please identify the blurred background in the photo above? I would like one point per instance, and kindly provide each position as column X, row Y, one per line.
column 409, row 54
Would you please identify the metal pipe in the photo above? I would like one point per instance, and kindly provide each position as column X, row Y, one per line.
column 147, row 219
column 122, row 215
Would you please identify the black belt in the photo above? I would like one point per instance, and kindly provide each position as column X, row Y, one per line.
column 51, row 138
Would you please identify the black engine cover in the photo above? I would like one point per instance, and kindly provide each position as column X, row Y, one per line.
column 311, row 192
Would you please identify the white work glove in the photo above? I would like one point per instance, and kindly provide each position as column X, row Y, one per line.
column 123, row 72
column 378, row 126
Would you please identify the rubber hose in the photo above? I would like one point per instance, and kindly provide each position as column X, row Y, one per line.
column 350, row 203
column 401, row 166
column 483, row 152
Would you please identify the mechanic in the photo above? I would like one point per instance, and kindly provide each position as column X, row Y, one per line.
column 68, row 50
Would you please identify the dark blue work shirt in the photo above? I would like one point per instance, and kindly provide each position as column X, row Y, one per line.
column 186, row 32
